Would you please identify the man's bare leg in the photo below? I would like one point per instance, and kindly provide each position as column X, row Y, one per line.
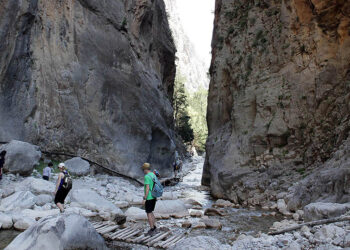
column 150, row 217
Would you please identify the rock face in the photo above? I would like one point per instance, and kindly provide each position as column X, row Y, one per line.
column 189, row 64
column 91, row 78
column 78, row 166
column 59, row 232
column 21, row 157
column 278, row 96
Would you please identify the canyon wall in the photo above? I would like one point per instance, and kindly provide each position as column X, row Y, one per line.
column 90, row 77
column 278, row 99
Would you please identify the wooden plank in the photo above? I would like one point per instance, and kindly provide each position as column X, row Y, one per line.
column 112, row 228
column 121, row 237
column 100, row 230
column 131, row 235
column 160, row 244
column 144, row 238
column 118, row 236
column 152, row 237
column 136, row 239
column 101, row 225
column 120, row 231
column 162, row 236
column 176, row 241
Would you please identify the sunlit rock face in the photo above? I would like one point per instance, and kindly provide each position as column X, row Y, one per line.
column 279, row 94
column 89, row 77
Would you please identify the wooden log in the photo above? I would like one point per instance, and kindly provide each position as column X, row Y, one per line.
column 151, row 238
column 162, row 236
column 101, row 225
column 112, row 228
column 137, row 239
column 142, row 239
column 131, row 234
column 172, row 241
column 119, row 236
column 160, row 244
column 312, row 223
column 176, row 241
column 120, row 231
column 100, row 230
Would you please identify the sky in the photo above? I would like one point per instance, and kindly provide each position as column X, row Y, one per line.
column 198, row 18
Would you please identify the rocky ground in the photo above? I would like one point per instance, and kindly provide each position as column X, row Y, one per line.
column 187, row 206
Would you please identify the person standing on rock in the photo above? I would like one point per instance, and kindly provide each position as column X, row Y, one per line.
column 63, row 186
column 2, row 162
column 47, row 171
column 148, row 200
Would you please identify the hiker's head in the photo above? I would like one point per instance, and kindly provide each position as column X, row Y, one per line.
column 61, row 166
column 50, row 164
column 146, row 167
column 3, row 153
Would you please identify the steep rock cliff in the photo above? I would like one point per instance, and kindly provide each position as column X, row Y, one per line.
column 90, row 77
column 189, row 64
column 279, row 94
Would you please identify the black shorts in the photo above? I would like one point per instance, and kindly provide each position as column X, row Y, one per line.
column 45, row 177
column 149, row 205
column 61, row 195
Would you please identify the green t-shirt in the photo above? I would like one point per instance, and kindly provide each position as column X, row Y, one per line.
column 149, row 181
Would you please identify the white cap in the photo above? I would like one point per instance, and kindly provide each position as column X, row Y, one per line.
column 61, row 165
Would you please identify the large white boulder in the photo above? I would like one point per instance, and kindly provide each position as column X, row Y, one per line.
column 23, row 223
column 89, row 199
column 43, row 199
column 5, row 221
column 41, row 186
column 321, row 210
column 77, row 166
column 174, row 208
column 59, row 232
column 21, row 157
column 199, row 242
column 38, row 214
column 135, row 213
column 17, row 201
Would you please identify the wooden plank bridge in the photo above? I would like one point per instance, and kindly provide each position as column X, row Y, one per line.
column 136, row 235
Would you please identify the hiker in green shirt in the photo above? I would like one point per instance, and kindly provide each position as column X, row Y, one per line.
column 148, row 200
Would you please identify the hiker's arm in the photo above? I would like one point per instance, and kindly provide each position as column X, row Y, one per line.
column 58, row 182
column 146, row 193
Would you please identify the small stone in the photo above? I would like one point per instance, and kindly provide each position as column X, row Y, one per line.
column 196, row 213
column 198, row 225
column 296, row 217
column 186, row 224
column 213, row 212
column 223, row 203
column 212, row 223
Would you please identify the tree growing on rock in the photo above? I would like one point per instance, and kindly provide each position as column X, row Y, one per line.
column 181, row 116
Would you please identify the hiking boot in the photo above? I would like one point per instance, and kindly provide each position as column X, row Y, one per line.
column 151, row 232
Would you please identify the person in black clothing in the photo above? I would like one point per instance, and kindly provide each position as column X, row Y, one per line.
column 2, row 162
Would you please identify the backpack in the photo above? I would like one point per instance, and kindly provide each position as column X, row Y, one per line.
column 67, row 182
column 157, row 190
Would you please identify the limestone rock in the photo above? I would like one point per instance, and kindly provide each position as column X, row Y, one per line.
column 109, row 97
column 212, row 223
column 278, row 100
column 135, row 213
column 222, row 203
column 5, row 221
column 21, row 157
column 198, row 225
column 175, row 208
column 321, row 210
column 38, row 214
column 41, row 186
column 196, row 213
column 23, row 223
column 59, row 232
column 42, row 199
column 17, row 201
column 90, row 200
column 213, row 212
column 199, row 242
column 77, row 166
column 186, row 224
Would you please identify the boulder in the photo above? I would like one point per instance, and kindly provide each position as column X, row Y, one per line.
column 77, row 166
column 212, row 223
column 174, row 208
column 43, row 199
column 186, row 224
column 91, row 200
column 59, row 232
column 329, row 232
column 321, row 210
column 135, row 213
column 199, row 242
column 198, row 225
column 196, row 213
column 17, row 201
column 38, row 214
column 223, row 203
column 282, row 207
column 23, row 223
column 213, row 212
column 82, row 211
column 121, row 204
column 5, row 221
column 41, row 186
column 21, row 157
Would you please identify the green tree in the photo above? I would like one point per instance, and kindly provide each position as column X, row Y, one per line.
column 197, row 111
column 181, row 116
